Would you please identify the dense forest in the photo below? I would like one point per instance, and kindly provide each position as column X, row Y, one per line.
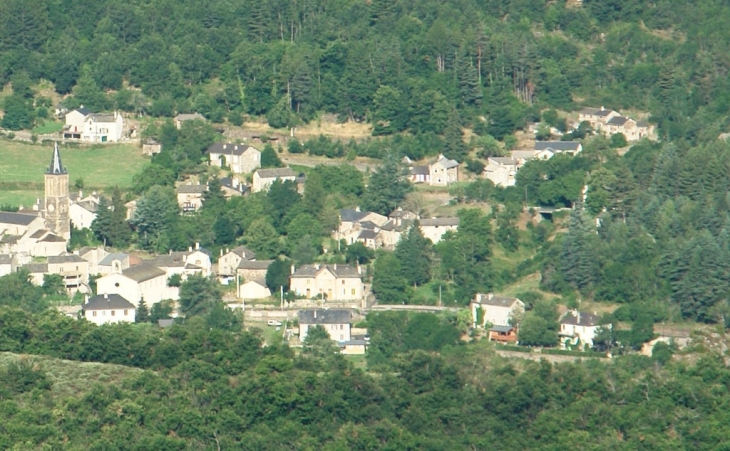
column 219, row 388
column 402, row 65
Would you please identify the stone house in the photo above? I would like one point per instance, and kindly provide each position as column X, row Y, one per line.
column 92, row 255
column 631, row 129
column 73, row 269
column 190, row 197
column 19, row 224
column 495, row 310
column 232, row 186
column 337, row 323
column 185, row 263
column 241, row 158
column 335, row 282
column 443, row 172
column 596, row 117
column 253, row 269
column 228, row 262
column 263, row 178
column 184, row 117
column 108, row 309
column 420, row 174
column 353, row 222
column 501, row 171
column 435, row 228
column 151, row 147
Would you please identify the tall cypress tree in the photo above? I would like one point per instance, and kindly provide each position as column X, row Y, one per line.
column 414, row 253
column 454, row 146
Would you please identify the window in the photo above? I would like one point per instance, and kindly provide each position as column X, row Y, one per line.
column 103, row 313
column 353, row 292
column 126, row 312
column 113, row 312
column 341, row 326
column 93, row 313
column 343, row 282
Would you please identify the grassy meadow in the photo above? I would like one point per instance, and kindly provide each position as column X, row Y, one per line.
column 22, row 166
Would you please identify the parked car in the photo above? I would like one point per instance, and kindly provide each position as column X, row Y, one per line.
column 273, row 322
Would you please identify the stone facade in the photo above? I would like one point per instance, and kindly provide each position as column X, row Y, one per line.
column 57, row 201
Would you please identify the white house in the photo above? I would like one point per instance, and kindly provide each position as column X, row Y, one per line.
column 108, row 309
column 82, row 214
column 338, row 323
column 254, row 289
column 113, row 263
column 263, row 178
column 84, row 125
column 578, row 328
column 435, row 228
column 495, row 310
column 333, row 282
column 137, row 282
column 229, row 261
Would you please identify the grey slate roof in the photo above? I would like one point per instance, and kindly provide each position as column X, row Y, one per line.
column 6, row 259
column 618, row 120
column 496, row 301
column 71, row 258
column 51, row 238
column 16, row 218
column 229, row 149
column 504, row 161
column 503, row 329
column 582, row 319
column 256, row 264
column 93, row 207
column 192, row 189
column 340, row 271
column 244, row 252
column 367, row 235
column 107, row 302
column 276, row 173
column 37, row 268
column 103, row 117
column 436, row 222
column 348, row 215
column 83, row 110
column 526, row 154
column 420, row 170
column 38, row 234
column 227, row 182
column 557, row 145
column 370, row 225
column 321, row 316
column 143, row 272
column 107, row 261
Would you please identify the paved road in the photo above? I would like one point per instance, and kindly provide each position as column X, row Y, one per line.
column 413, row 308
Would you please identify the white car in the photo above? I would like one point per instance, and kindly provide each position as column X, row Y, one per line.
column 273, row 322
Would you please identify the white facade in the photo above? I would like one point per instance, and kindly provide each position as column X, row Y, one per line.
column 579, row 326
column 501, row 171
column 496, row 310
column 103, row 127
column 254, row 289
column 264, row 178
column 152, row 287
column 81, row 217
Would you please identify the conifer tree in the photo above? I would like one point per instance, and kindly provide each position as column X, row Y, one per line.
column 414, row 253
column 141, row 313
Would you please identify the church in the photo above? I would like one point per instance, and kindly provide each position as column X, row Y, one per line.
column 46, row 232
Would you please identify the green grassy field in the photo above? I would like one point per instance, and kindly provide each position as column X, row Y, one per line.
column 22, row 166
column 48, row 127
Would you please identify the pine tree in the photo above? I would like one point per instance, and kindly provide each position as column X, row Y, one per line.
column 414, row 253
column 142, row 313
column 454, row 146
column 469, row 87
column 301, row 85
column 101, row 226
column 387, row 188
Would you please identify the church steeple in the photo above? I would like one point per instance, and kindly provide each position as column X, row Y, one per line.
column 56, row 166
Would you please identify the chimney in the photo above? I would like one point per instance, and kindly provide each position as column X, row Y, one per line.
column 106, row 296
column 316, row 266
column 190, row 248
column 197, row 245
column 169, row 252
column 86, row 298
column 235, row 182
column 292, row 269
column 602, row 108
column 222, row 252
column 335, row 266
column 577, row 317
column 315, row 314
column 81, row 194
column 359, row 268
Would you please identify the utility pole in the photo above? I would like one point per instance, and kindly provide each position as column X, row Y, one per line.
column 440, row 304
column 281, row 294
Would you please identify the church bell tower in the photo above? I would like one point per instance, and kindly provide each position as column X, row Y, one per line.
column 57, row 200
